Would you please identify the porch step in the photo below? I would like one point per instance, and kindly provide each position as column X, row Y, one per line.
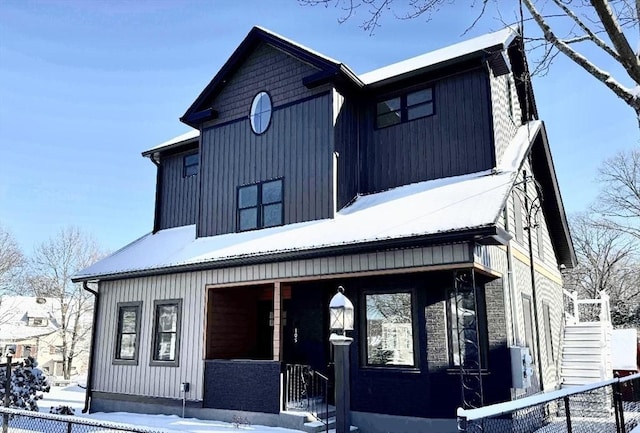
column 319, row 426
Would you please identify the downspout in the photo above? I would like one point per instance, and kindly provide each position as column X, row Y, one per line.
column 156, row 215
column 94, row 327
column 533, row 279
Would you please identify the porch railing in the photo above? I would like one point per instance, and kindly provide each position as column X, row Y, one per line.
column 586, row 310
column 307, row 390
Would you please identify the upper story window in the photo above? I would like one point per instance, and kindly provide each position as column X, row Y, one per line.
column 190, row 164
column 260, row 112
column 37, row 321
column 404, row 108
column 260, row 205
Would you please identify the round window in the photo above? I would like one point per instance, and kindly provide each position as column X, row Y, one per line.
column 260, row 112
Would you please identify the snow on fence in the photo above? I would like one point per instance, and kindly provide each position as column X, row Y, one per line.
column 609, row 406
column 24, row 421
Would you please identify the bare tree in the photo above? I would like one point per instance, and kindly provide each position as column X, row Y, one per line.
column 619, row 199
column 607, row 260
column 11, row 261
column 561, row 26
column 51, row 267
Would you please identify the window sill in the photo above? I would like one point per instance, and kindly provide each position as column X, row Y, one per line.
column 124, row 362
column 397, row 369
column 164, row 364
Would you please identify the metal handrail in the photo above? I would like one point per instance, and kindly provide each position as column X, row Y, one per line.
column 308, row 390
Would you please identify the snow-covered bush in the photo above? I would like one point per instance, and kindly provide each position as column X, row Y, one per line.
column 62, row 410
column 27, row 384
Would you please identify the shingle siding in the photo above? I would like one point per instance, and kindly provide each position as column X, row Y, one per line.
column 504, row 123
column 265, row 69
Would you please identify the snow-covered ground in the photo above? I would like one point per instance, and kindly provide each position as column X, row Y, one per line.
column 73, row 396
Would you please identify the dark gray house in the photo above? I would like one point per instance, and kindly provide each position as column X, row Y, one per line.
column 425, row 188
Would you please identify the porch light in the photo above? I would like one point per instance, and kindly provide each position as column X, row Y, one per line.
column 340, row 313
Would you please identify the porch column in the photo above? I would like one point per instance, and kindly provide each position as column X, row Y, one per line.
column 277, row 322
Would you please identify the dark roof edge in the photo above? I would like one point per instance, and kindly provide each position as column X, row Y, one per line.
column 150, row 152
column 255, row 35
column 490, row 235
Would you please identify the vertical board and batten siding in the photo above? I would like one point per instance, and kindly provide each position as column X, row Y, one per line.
column 504, row 124
column 143, row 379
column 153, row 381
column 456, row 140
column 265, row 69
column 179, row 195
column 346, row 144
column 297, row 146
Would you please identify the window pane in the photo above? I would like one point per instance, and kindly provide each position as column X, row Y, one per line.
column 167, row 318
column 248, row 196
column 418, row 111
column 464, row 339
column 272, row 215
column 166, row 348
column 419, row 97
column 388, row 106
column 129, row 321
column 388, row 119
column 190, row 170
column 260, row 112
column 127, row 346
column 191, row 159
column 248, row 219
column 272, row 192
column 389, row 329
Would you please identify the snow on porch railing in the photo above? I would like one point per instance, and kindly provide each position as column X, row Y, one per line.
column 586, row 310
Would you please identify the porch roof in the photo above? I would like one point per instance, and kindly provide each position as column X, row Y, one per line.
column 443, row 206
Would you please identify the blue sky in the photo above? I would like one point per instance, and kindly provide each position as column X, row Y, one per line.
column 85, row 86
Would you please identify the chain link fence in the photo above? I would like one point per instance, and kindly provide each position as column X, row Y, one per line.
column 603, row 407
column 22, row 421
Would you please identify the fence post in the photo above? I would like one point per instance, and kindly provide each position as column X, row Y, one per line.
column 567, row 413
column 617, row 405
column 462, row 424
column 7, row 395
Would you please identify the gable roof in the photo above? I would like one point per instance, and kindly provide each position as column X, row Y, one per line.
column 436, row 210
column 328, row 68
column 15, row 312
column 489, row 43
column 492, row 45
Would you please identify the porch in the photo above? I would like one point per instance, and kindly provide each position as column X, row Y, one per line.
column 267, row 346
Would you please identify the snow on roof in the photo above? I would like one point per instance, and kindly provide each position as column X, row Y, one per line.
column 424, row 208
column 299, row 45
column 500, row 38
column 430, row 207
column 193, row 133
column 15, row 312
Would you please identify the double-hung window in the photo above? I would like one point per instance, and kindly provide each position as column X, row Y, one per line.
column 406, row 107
column 128, row 333
column 166, row 332
column 389, row 329
column 260, row 205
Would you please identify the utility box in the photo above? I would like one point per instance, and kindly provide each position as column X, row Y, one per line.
column 521, row 369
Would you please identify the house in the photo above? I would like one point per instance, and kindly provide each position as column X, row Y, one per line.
column 426, row 189
column 31, row 326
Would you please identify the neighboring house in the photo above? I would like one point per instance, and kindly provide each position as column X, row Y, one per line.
column 411, row 186
column 30, row 326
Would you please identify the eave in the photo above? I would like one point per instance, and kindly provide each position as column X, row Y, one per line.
column 487, row 235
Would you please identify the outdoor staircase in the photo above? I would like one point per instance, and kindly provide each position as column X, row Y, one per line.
column 586, row 353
